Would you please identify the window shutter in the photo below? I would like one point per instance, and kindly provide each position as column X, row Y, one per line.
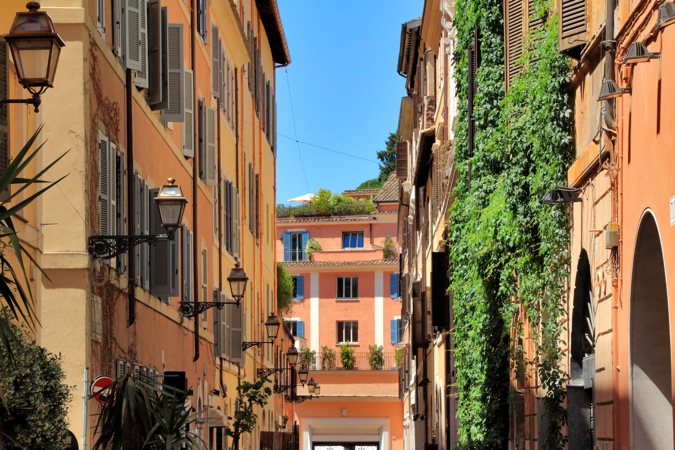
column 225, row 320
column 215, row 63
column 256, row 207
column 100, row 17
column 217, row 328
column 402, row 160
column 141, row 78
column 163, row 274
column 513, row 32
column 117, row 28
column 176, row 102
column 210, row 145
column 4, row 120
column 112, row 190
column 201, row 139
column 132, row 35
column 187, row 265
column 439, row 290
column 155, row 60
column 301, row 328
column 145, row 248
column 121, row 206
column 236, row 333
column 137, row 226
column 393, row 285
column 572, row 27
column 189, row 121
column 393, row 326
column 160, row 93
column 205, row 285
column 287, row 246
column 300, row 287
column 236, row 209
column 305, row 238
column 103, row 185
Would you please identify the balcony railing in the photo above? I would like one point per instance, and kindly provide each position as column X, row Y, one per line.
column 361, row 362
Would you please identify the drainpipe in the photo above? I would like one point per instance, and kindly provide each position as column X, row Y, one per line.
column 85, row 408
column 609, row 106
column 195, row 178
column 131, row 219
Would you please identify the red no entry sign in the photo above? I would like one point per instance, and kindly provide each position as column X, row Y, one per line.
column 101, row 389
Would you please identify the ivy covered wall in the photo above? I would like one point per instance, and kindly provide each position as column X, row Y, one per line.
column 509, row 253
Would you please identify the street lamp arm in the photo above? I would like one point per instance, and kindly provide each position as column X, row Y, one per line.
column 191, row 309
column 106, row 247
column 35, row 100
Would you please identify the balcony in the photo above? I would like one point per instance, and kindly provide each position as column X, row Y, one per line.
column 361, row 363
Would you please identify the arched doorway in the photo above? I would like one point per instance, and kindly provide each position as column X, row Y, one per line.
column 651, row 408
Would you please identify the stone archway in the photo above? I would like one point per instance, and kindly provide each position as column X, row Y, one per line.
column 651, row 390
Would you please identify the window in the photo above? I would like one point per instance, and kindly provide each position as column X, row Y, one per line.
column 347, row 332
column 207, row 143
column 298, row 287
column 229, row 331
column 352, row 239
column 205, row 285
column 396, row 331
column 347, row 287
column 187, row 264
column 189, row 115
column 100, row 17
column 294, row 245
column 175, row 110
column 163, row 257
column 112, row 218
column 201, row 19
column 296, row 327
column 231, row 218
column 393, row 285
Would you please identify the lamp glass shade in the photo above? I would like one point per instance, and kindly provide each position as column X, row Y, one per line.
column 171, row 204
column 311, row 386
column 317, row 390
column 303, row 374
column 272, row 325
column 237, row 281
column 292, row 356
column 35, row 47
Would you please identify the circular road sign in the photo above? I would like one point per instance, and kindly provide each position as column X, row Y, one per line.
column 100, row 389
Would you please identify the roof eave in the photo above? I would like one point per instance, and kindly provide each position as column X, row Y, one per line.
column 271, row 20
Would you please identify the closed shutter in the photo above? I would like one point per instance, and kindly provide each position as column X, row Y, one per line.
column 300, row 329
column 287, row 246
column 300, row 287
column 250, row 197
column 163, row 270
column 189, row 121
column 305, row 238
column 141, row 79
column 236, row 333
column 117, row 28
column 227, row 215
column 187, row 265
column 103, row 185
column 137, row 226
column 236, row 221
column 402, row 160
column 210, row 145
column 155, row 60
column 393, row 285
column 132, row 35
column 163, row 69
column 112, row 190
column 256, row 210
column 216, row 81
column 121, row 206
column 225, row 315
column 205, row 285
column 513, row 31
column 4, row 119
column 439, row 290
column 176, row 106
column 572, row 27
column 100, row 17
column 148, row 201
column 417, row 322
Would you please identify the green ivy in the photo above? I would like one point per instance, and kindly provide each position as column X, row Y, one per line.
column 507, row 249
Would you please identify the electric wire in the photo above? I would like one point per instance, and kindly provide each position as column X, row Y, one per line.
column 326, row 148
column 295, row 130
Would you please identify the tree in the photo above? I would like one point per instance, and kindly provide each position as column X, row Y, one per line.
column 387, row 157
column 245, row 418
column 284, row 291
column 34, row 412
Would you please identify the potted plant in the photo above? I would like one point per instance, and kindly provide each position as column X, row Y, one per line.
column 307, row 358
column 398, row 357
column 347, row 357
column 312, row 246
column 388, row 249
column 376, row 357
column 327, row 358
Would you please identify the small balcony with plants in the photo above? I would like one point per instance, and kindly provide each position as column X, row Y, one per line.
column 344, row 357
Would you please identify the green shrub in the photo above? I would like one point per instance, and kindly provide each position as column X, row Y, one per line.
column 327, row 358
column 347, row 357
column 376, row 357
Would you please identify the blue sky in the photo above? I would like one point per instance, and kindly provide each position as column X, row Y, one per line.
column 341, row 91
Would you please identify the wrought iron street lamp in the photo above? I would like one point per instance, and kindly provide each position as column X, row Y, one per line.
column 171, row 204
column 35, row 48
column 237, row 281
column 272, row 325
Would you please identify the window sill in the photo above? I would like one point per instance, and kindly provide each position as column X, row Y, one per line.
column 341, row 299
column 350, row 344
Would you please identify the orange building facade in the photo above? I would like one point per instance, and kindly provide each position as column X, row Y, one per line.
column 347, row 295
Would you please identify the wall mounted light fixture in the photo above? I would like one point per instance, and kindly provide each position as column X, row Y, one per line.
column 237, row 281
column 611, row 90
column 666, row 14
column 272, row 325
column 35, row 48
column 638, row 53
column 561, row 196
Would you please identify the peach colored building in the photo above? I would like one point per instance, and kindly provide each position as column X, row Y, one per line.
column 347, row 293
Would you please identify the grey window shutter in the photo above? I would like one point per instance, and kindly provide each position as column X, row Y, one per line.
column 205, row 285
column 225, row 315
column 118, row 43
column 162, row 270
column 103, row 185
column 138, row 188
column 236, row 333
column 148, row 202
column 112, row 189
column 100, row 17
column 142, row 77
column 176, row 102
column 132, row 34
column 189, row 114
column 572, row 27
column 184, row 269
column 121, row 207
column 237, row 219
column 210, row 146
column 201, row 139
column 155, row 60
column 256, row 207
column 221, row 73
column 163, row 68
column 217, row 313
column 215, row 62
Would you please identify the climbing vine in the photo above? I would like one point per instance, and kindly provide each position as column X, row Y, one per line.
column 509, row 253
